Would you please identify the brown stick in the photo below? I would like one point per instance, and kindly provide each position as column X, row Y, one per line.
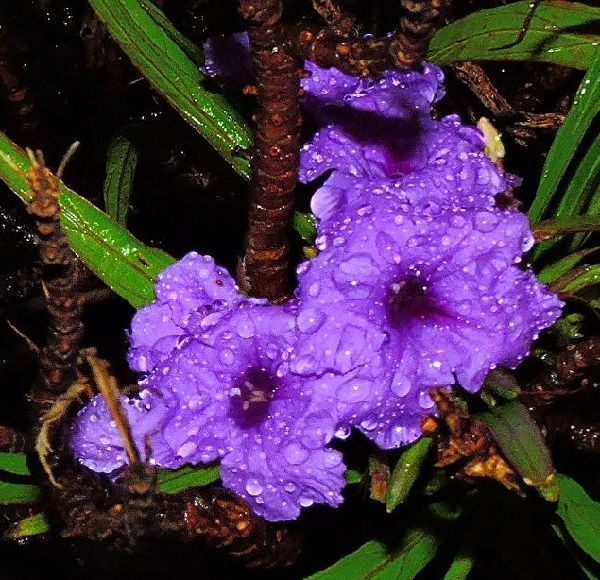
column 59, row 279
column 276, row 155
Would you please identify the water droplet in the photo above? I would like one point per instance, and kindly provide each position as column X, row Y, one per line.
column 290, row 487
column 227, row 356
column 254, row 487
column 425, row 401
column 318, row 430
column 369, row 424
column 343, row 432
column 485, row 221
column 295, row 454
column 457, row 221
column 306, row 501
column 354, row 391
column 364, row 210
column 187, row 449
column 245, row 327
column 309, row 320
column 400, row 385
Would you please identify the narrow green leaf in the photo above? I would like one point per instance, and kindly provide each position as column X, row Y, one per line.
column 560, row 33
column 580, row 514
column 193, row 52
column 121, row 163
column 568, row 139
column 125, row 264
column 14, row 463
column 588, row 275
column 358, row 564
column 521, row 441
column 174, row 481
column 406, row 472
column 27, row 527
column 161, row 59
column 461, row 566
column 11, row 493
column 556, row 270
column 373, row 560
column 554, row 227
column 416, row 551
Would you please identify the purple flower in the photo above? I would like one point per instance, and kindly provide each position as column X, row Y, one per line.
column 442, row 284
column 227, row 392
column 379, row 136
column 194, row 282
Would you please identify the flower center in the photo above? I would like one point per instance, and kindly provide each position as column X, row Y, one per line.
column 411, row 299
column 251, row 396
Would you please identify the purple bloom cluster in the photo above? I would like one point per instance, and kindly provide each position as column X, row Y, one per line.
column 416, row 285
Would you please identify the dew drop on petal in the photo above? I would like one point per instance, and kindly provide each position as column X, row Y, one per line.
column 306, row 501
column 295, row 454
column 309, row 320
column 400, row 384
column 254, row 486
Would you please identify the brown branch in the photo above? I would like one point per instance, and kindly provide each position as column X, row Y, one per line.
column 59, row 279
column 344, row 48
column 276, row 155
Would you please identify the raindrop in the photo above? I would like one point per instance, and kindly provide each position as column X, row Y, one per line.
column 295, row 454
column 254, row 487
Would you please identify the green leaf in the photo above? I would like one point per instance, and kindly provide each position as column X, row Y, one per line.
column 566, row 143
column 121, row 163
column 554, row 227
column 560, row 33
column 416, row 551
column 588, row 275
column 406, row 472
column 589, row 568
column 159, row 56
column 27, row 527
column 120, row 260
column 15, row 463
column 580, row 514
column 501, row 384
column 521, row 441
column 11, row 493
column 174, row 481
column 353, row 476
column 372, row 560
column 556, row 270
column 306, row 225
column 358, row 564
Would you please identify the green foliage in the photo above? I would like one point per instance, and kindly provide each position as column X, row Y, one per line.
column 32, row 526
column 22, row 493
column 406, row 472
column 163, row 56
column 374, row 561
column 174, row 481
column 580, row 515
column 120, row 260
column 581, row 196
column 554, row 271
column 121, row 164
column 561, row 33
column 15, row 463
column 520, row 440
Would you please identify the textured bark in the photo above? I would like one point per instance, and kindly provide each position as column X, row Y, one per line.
column 276, row 155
